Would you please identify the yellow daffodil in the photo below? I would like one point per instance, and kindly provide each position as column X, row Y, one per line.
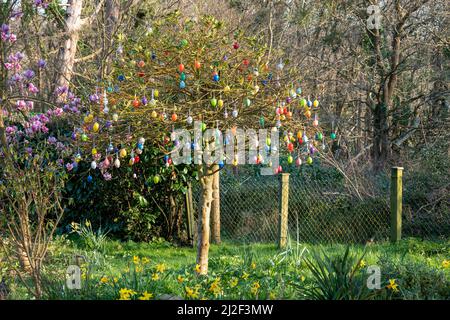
column 138, row 269
column 272, row 296
column 145, row 260
column 392, row 285
column 180, row 279
column 215, row 287
column 362, row 264
column 445, row 264
column 245, row 275
column 255, row 287
column 253, row 265
column 146, row 296
column 115, row 280
column 302, row 278
column 136, row 259
column 197, row 268
column 161, row 267
column 234, row 282
column 87, row 223
column 191, row 293
column 155, row 277
column 125, row 294
column 104, row 280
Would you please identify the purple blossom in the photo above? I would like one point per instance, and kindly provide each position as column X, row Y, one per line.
column 51, row 140
column 16, row 78
column 69, row 166
column 60, row 146
column 61, row 90
column 21, row 105
column 29, row 151
column 107, row 176
column 5, row 28
column 29, row 74
column 94, row 98
column 42, row 63
column 12, row 38
column 9, row 66
column 58, row 112
column 19, row 56
column 11, row 130
column 32, row 88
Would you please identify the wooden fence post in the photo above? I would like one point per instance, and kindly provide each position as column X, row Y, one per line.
column 396, row 203
column 283, row 208
column 190, row 214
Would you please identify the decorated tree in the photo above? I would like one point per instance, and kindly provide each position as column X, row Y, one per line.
column 196, row 78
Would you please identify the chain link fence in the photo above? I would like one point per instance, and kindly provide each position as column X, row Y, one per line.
column 325, row 206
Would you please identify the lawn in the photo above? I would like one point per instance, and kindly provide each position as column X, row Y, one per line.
column 160, row 270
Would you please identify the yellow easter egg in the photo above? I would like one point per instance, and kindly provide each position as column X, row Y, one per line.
column 96, row 127
column 156, row 93
column 220, row 103
column 154, row 114
column 123, row 153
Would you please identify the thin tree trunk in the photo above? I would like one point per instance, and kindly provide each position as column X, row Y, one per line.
column 206, row 179
column 67, row 52
column 215, row 209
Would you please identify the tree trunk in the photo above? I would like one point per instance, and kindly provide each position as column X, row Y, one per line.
column 206, row 179
column 380, row 138
column 67, row 52
column 215, row 209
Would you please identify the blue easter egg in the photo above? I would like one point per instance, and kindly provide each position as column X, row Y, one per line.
column 89, row 178
column 216, row 77
column 140, row 146
column 121, row 77
column 166, row 158
column 182, row 84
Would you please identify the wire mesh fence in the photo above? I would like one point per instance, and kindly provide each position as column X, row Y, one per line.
column 325, row 206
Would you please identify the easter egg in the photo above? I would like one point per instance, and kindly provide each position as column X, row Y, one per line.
column 290, row 146
column 246, row 62
column 236, row 45
column 182, row 76
column 299, row 91
column 136, row 103
column 303, row 102
column 290, row 159
column 93, row 165
column 136, row 159
column 299, row 135
column 315, row 123
column 333, row 135
column 144, row 101
column 174, row 117
column 319, row 136
column 261, row 121
column 213, row 102
column 203, row 126
column 268, row 141
column 234, row 113
column 309, row 103
column 141, row 64
column 316, row 103
column 131, row 161
column 225, row 114
column 279, row 169
column 226, row 89
column 156, row 93
column 181, row 67
column 182, row 84
column 89, row 178
column 309, row 160
column 115, row 117
column 123, row 153
column 183, row 43
column 298, row 162
column 216, row 77
column 121, row 77
column 189, row 120
column 308, row 114
column 84, row 137
column 95, row 127
column 117, row 163
column 141, row 140
column 197, row 64
column 221, row 164
column 220, row 103
column 156, row 179
column 247, row 102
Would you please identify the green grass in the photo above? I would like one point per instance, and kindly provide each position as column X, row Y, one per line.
column 408, row 261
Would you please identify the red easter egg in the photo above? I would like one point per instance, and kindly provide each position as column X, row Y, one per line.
column 169, row 161
column 236, row 45
column 136, row 103
column 141, row 74
column 300, row 140
column 290, row 146
column 174, row 117
column 246, row 62
column 249, row 77
column 197, row 64
column 141, row 64
column 181, row 67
